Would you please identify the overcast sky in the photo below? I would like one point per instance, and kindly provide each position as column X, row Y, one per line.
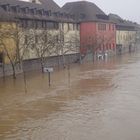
column 127, row 9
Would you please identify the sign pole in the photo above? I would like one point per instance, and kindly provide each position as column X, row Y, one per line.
column 49, row 76
column 48, row 70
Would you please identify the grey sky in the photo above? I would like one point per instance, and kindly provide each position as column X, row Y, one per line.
column 127, row 9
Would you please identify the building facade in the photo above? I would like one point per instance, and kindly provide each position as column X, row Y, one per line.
column 42, row 31
column 125, row 34
column 97, row 32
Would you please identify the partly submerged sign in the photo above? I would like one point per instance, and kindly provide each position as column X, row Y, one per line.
column 48, row 70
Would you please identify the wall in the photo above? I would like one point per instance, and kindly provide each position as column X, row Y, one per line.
column 98, row 37
column 87, row 36
column 125, row 39
column 106, row 37
column 7, row 37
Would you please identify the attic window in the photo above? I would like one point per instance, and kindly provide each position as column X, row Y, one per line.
column 46, row 13
column 27, row 10
column 121, row 20
column 14, row 9
column 6, row 7
column 23, row 10
column 32, row 11
column 104, row 17
column 61, row 15
column 55, row 14
column 82, row 16
column 39, row 12
column 49, row 13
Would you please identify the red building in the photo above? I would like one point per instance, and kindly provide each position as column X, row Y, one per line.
column 97, row 32
column 97, row 37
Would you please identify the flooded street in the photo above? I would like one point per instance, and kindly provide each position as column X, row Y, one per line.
column 98, row 101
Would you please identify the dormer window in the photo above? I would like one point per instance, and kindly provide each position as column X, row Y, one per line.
column 39, row 12
column 23, row 11
column 55, row 14
column 32, row 11
column 6, row 7
column 26, row 10
column 35, row 11
column 49, row 13
column 18, row 9
column 42, row 11
column 61, row 15
column 82, row 16
column 13, row 8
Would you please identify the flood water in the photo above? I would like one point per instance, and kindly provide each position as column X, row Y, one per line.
column 99, row 101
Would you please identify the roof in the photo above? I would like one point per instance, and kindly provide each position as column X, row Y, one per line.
column 85, row 11
column 50, row 4
column 21, row 4
column 122, row 24
column 47, row 6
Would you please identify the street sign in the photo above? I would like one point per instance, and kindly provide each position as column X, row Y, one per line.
column 48, row 69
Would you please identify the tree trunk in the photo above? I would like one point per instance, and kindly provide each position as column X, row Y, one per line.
column 63, row 61
column 25, row 83
column 14, row 71
column 42, row 65
column 3, row 69
column 58, row 62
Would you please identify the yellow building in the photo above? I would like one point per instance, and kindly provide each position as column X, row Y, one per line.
column 7, row 39
column 125, row 39
column 125, row 34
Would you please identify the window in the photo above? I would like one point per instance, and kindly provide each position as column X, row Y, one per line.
column 36, row 39
column 109, row 26
column 110, row 46
column 52, row 25
column 113, row 46
column 56, row 25
column 62, row 26
column 113, row 27
column 49, row 13
column 68, row 26
column 23, row 10
column 24, row 23
column 106, row 46
column 46, row 38
column 25, row 39
column 14, row 9
column 30, row 23
column 39, row 24
column 102, row 27
column 56, row 38
column 43, row 24
column 73, row 26
column 78, row 27
column 6, row 7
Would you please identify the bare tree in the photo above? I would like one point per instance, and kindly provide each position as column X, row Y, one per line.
column 67, row 44
column 16, row 50
column 105, row 41
column 10, row 34
column 43, row 45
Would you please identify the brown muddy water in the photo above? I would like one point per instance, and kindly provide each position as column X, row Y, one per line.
column 99, row 101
